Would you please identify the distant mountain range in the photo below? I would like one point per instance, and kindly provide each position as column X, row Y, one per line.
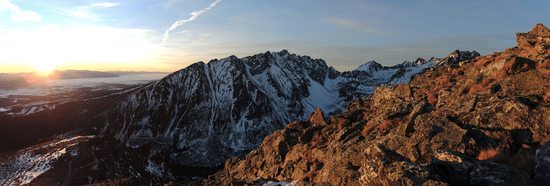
column 21, row 80
column 12, row 81
column 77, row 74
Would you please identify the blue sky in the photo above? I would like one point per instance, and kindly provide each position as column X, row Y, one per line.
column 128, row 35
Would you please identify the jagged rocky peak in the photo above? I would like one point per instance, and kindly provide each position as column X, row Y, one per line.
column 285, row 56
column 458, row 56
column 537, row 34
column 317, row 117
column 536, row 41
column 369, row 66
column 420, row 61
column 317, row 69
column 284, row 52
column 455, row 57
column 269, row 57
column 372, row 74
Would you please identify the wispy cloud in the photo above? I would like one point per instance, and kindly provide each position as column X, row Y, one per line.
column 169, row 3
column 87, row 12
column 104, row 5
column 17, row 14
column 194, row 15
column 350, row 24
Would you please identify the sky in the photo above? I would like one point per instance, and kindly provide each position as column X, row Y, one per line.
column 167, row 35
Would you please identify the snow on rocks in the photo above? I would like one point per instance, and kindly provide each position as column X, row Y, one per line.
column 27, row 164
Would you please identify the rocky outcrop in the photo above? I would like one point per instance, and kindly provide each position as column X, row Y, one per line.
column 481, row 121
column 458, row 56
column 535, row 43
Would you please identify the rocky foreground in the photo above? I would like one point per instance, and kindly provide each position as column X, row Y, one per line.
column 484, row 121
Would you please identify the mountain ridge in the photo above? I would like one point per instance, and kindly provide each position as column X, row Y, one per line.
column 247, row 98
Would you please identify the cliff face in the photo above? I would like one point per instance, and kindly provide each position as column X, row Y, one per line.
column 484, row 121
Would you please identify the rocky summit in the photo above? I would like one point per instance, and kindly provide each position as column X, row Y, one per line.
column 481, row 121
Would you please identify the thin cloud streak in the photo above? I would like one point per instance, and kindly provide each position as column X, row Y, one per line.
column 88, row 12
column 104, row 5
column 350, row 24
column 194, row 15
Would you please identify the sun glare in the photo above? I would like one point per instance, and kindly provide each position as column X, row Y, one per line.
column 44, row 70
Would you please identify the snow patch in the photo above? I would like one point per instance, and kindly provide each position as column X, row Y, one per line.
column 74, row 153
column 410, row 72
column 368, row 66
column 32, row 162
column 154, row 169
column 326, row 98
column 282, row 183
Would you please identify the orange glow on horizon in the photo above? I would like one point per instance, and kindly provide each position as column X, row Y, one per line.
column 42, row 68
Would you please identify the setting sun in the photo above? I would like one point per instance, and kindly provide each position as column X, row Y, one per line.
column 45, row 48
column 45, row 69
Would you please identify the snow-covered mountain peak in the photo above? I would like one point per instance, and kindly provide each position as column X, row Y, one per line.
column 369, row 66
column 420, row 61
column 457, row 56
